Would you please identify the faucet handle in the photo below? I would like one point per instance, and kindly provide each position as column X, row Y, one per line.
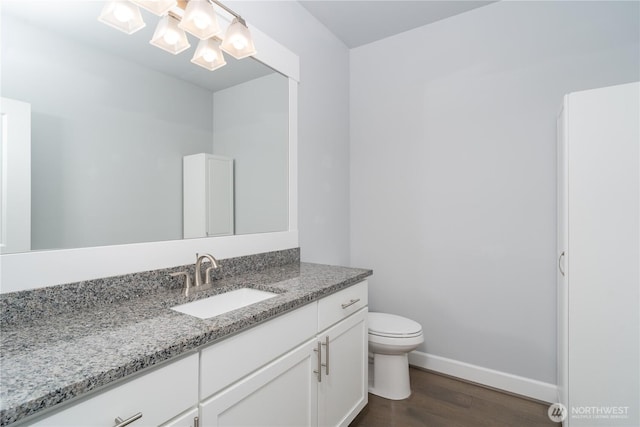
column 207, row 275
column 187, row 281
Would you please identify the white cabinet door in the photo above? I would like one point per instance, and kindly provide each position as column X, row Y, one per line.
column 343, row 386
column 15, row 176
column 599, row 317
column 208, row 195
column 220, row 193
column 283, row 393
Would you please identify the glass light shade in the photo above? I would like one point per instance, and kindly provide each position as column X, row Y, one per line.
column 169, row 36
column 237, row 41
column 200, row 20
column 122, row 15
column 209, row 55
column 158, row 7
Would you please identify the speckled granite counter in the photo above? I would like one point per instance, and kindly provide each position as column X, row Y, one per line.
column 52, row 359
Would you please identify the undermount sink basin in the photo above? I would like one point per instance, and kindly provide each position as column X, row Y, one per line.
column 223, row 303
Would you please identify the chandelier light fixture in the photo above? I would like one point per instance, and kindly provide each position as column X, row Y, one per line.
column 169, row 36
column 198, row 18
column 237, row 41
column 209, row 55
column 123, row 16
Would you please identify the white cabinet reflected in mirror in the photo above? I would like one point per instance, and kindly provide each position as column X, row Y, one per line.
column 208, row 203
column 15, row 199
column 112, row 118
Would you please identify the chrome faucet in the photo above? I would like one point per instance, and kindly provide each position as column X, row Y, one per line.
column 198, row 273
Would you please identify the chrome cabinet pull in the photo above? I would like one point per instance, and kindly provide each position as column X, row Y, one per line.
column 318, row 372
column 560, row 263
column 121, row 423
column 326, row 356
column 196, row 422
column 350, row 303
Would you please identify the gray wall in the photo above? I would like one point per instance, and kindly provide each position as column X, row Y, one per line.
column 251, row 125
column 89, row 108
column 453, row 169
column 323, row 121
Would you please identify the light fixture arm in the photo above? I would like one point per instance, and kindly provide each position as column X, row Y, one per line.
column 235, row 15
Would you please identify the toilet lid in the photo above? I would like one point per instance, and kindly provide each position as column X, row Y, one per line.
column 390, row 325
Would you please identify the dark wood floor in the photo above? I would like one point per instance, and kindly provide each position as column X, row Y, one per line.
column 438, row 400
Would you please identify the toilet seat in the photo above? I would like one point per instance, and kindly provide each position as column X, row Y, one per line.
column 393, row 326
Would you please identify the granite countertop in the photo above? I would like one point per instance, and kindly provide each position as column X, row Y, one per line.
column 52, row 359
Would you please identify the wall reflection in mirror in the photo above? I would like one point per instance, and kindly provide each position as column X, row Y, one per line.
column 111, row 120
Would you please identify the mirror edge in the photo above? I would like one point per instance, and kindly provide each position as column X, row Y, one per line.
column 30, row 270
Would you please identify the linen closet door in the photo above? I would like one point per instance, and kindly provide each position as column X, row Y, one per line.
column 602, row 256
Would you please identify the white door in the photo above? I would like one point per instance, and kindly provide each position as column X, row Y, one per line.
column 343, row 389
column 603, row 129
column 15, row 176
column 283, row 393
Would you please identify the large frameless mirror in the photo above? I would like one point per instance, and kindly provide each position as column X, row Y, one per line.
column 112, row 118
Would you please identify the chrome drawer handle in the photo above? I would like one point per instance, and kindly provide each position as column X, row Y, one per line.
column 318, row 372
column 350, row 303
column 121, row 423
column 326, row 355
column 560, row 263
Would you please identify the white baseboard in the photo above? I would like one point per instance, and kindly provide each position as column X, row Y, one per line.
column 501, row 380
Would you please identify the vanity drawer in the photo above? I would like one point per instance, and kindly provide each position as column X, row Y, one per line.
column 227, row 361
column 344, row 303
column 159, row 395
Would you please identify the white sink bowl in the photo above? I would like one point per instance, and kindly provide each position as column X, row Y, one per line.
column 223, row 303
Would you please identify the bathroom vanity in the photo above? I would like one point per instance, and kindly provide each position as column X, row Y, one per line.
column 299, row 358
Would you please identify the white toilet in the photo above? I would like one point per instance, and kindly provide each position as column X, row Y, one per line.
column 391, row 338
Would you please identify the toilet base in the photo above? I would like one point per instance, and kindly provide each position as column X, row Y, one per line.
column 389, row 376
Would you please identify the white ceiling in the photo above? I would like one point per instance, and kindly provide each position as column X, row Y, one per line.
column 358, row 22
